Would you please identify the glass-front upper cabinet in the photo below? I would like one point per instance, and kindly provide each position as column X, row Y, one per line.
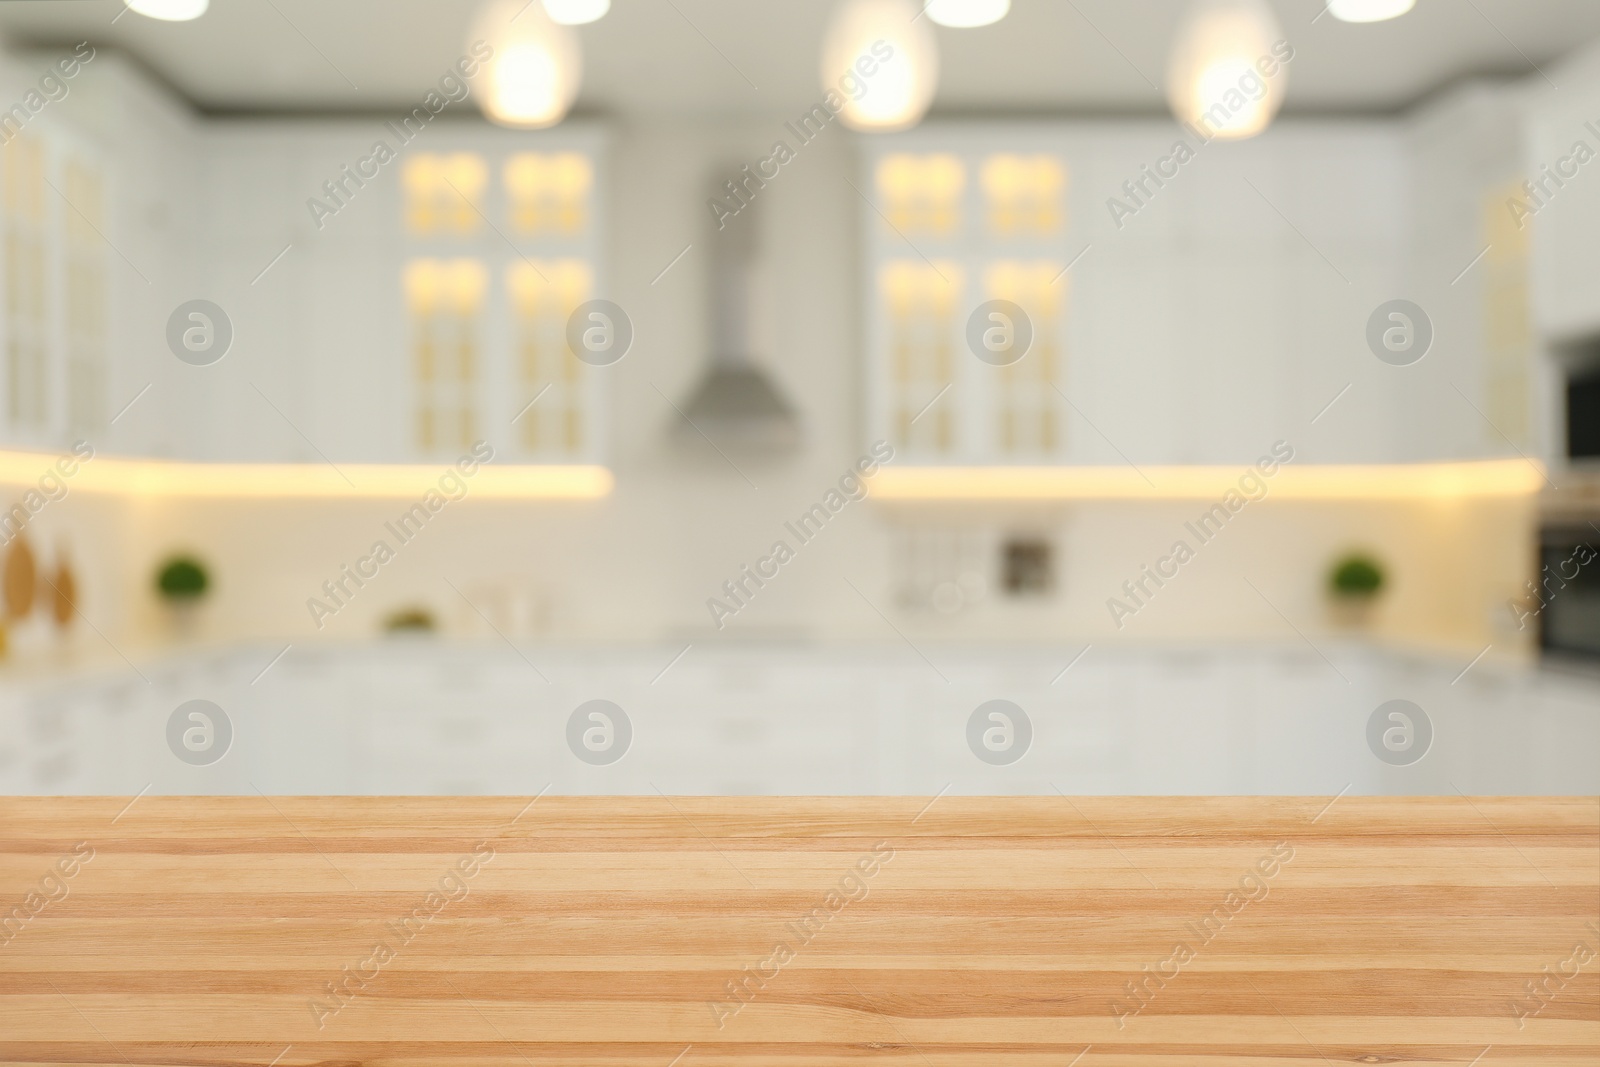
column 967, row 298
column 500, row 255
column 361, row 290
column 53, row 273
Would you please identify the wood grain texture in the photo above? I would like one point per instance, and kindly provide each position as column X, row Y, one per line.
column 607, row 931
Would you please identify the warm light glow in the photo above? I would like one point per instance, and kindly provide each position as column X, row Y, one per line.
column 1023, row 194
column 444, row 192
column 537, row 65
column 169, row 10
column 576, row 12
column 919, row 303
column 1403, row 481
column 169, row 478
column 561, row 285
column 1369, row 10
column 548, row 192
column 965, row 14
column 543, row 296
column 445, row 286
column 922, row 193
column 1218, row 76
column 880, row 64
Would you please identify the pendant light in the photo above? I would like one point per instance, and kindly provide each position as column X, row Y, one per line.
column 1218, row 78
column 880, row 63
column 532, row 77
column 966, row 14
column 576, row 12
column 1369, row 10
column 169, row 10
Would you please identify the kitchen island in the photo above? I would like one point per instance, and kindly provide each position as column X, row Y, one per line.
column 928, row 932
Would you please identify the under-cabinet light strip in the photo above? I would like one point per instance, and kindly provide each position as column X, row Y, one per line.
column 45, row 472
column 1294, row 481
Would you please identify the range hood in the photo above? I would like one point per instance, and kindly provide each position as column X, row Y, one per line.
column 736, row 403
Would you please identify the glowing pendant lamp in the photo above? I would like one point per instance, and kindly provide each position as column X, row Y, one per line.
column 1369, row 10
column 169, row 10
column 532, row 77
column 1217, row 76
column 880, row 62
column 965, row 14
column 576, row 12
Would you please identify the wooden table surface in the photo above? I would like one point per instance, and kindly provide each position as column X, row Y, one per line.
column 652, row 931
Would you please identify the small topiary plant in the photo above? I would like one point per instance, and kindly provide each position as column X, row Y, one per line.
column 182, row 580
column 1357, row 577
column 415, row 620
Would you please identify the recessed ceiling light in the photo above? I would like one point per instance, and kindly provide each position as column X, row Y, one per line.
column 169, row 10
column 1369, row 10
column 576, row 12
column 964, row 14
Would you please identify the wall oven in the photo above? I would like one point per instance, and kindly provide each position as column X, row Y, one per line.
column 1565, row 597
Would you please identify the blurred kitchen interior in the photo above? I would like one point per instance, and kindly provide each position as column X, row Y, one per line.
column 1197, row 317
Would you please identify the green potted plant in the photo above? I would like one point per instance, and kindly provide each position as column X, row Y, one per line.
column 415, row 620
column 1355, row 582
column 181, row 583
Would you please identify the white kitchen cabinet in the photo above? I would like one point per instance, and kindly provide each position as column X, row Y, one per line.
column 1220, row 316
column 342, row 375
column 1231, row 306
column 427, row 717
column 1566, row 256
column 117, row 227
column 1469, row 270
column 323, row 360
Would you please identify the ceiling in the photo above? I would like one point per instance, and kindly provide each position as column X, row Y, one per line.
column 722, row 57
